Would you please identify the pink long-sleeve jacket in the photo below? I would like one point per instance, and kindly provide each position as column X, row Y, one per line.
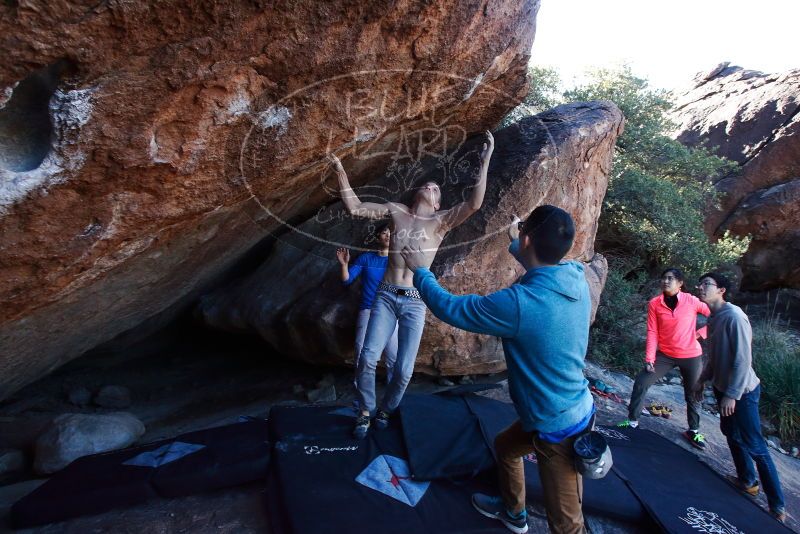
column 674, row 332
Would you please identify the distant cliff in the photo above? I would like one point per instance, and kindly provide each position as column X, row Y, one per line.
column 754, row 119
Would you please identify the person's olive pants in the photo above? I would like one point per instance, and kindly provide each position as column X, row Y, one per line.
column 562, row 485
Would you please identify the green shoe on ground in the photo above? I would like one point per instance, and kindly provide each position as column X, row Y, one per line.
column 696, row 439
column 627, row 423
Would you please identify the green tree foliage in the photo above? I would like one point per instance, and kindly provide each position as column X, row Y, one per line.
column 776, row 359
column 616, row 338
column 544, row 93
column 658, row 189
column 653, row 212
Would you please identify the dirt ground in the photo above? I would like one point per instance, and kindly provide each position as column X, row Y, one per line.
column 186, row 381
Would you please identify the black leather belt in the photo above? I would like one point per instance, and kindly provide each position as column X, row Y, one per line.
column 413, row 293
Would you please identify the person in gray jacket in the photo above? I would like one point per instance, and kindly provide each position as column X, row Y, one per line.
column 737, row 389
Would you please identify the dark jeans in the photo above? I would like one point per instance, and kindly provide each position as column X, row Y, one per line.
column 743, row 430
column 690, row 372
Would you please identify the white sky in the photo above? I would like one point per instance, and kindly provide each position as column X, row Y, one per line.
column 667, row 42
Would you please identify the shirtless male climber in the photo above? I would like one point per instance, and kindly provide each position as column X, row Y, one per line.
column 424, row 226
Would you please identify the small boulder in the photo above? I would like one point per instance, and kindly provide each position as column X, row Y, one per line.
column 71, row 436
column 11, row 460
column 444, row 381
column 79, row 396
column 327, row 380
column 795, row 452
column 117, row 397
column 767, row 428
column 323, row 394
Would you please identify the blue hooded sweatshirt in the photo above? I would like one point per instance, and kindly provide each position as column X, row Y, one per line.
column 543, row 321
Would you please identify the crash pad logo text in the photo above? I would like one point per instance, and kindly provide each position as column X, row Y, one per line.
column 315, row 449
column 705, row 521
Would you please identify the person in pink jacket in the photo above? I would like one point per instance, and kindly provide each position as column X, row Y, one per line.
column 672, row 342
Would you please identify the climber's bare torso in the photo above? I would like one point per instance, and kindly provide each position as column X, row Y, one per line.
column 419, row 226
column 425, row 232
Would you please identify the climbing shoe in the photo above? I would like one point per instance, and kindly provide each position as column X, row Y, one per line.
column 494, row 508
column 655, row 409
column 696, row 439
column 666, row 411
column 744, row 488
column 381, row 420
column 362, row 426
column 779, row 515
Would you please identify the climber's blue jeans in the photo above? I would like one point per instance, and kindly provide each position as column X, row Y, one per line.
column 408, row 315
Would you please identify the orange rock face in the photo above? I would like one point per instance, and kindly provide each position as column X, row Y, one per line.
column 295, row 299
column 146, row 146
column 754, row 119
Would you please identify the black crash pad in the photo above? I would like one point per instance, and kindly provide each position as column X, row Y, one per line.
column 450, row 436
column 212, row 459
column 313, row 482
column 683, row 494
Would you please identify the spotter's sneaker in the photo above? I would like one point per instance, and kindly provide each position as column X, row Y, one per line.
column 696, row 439
column 494, row 508
column 627, row 423
column 779, row 515
column 744, row 488
column 381, row 420
column 362, row 426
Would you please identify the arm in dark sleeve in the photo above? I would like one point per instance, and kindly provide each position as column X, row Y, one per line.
column 708, row 371
column 740, row 338
column 496, row 314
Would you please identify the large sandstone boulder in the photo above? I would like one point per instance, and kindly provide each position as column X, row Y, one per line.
column 754, row 119
column 296, row 302
column 145, row 147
